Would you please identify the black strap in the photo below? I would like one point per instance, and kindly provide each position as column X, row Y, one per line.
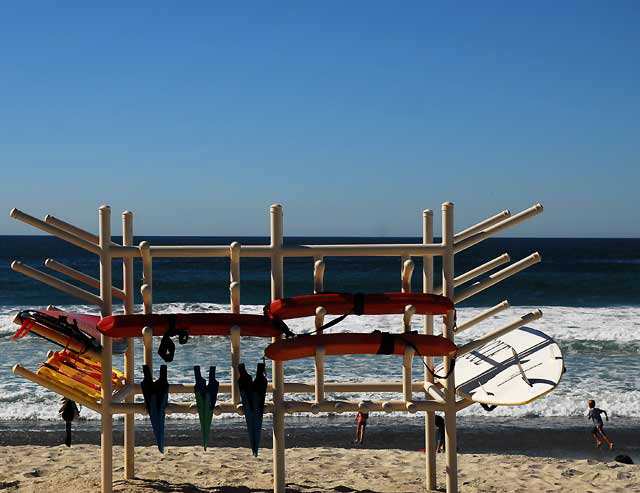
column 167, row 347
column 357, row 309
column 282, row 327
column 452, row 363
column 331, row 323
column 387, row 343
column 62, row 325
column 487, row 407
column 358, row 303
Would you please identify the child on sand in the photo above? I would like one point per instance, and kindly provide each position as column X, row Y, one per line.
column 598, row 426
column 361, row 418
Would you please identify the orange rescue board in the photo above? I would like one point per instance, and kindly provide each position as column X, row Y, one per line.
column 357, row 343
column 196, row 324
column 373, row 304
column 86, row 323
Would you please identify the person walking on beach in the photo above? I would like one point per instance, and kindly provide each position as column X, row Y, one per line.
column 361, row 418
column 595, row 415
column 439, row 434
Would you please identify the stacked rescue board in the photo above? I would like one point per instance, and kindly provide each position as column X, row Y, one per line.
column 485, row 375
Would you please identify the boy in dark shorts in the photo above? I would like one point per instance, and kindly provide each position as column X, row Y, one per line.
column 598, row 426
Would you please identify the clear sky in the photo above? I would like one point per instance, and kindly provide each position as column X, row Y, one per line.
column 354, row 115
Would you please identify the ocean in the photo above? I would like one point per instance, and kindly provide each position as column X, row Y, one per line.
column 588, row 289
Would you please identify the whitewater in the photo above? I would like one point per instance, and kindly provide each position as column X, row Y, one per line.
column 600, row 345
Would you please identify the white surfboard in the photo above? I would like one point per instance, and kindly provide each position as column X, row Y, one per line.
column 512, row 370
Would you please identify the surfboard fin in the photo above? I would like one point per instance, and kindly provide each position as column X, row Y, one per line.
column 524, row 376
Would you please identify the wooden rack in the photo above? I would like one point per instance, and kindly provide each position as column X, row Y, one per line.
column 437, row 396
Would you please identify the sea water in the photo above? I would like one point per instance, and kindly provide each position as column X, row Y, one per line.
column 588, row 289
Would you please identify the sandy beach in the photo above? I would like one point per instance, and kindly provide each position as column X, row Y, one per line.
column 190, row 469
column 323, row 459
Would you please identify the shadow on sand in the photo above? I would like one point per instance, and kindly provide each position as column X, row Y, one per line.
column 168, row 487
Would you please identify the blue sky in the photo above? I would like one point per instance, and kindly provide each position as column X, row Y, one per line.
column 354, row 115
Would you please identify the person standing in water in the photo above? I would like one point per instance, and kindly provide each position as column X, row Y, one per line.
column 595, row 415
column 361, row 419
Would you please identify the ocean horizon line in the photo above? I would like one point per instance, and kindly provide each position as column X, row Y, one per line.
column 340, row 236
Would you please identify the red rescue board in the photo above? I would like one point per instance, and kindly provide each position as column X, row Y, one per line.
column 344, row 303
column 196, row 324
column 358, row 343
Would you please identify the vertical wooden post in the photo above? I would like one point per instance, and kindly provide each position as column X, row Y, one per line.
column 147, row 344
column 234, row 334
column 407, row 359
column 234, row 271
column 127, row 286
column 277, row 291
column 106, row 441
column 318, row 274
column 427, row 287
column 409, row 310
column 318, row 287
column 448, row 332
column 147, row 277
column 234, row 288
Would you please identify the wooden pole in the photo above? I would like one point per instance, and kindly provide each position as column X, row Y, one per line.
column 429, row 418
column 482, row 225
column 503, row 305
column 147, row 345
column 106, row 442
column 129, row 355
column 56, row 283
column 498, row 227
column 448, row 332
column 318, row 287
column 80, row 276
column 357, row 250
column 234, row 289
column 147, row 277
column 277, row 291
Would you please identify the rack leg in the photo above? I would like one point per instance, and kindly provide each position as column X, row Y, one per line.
column 430, row 449
column 129, row 423
column 278, row 428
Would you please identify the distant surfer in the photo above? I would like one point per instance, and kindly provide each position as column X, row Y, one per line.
column 361, row 419
column 595, row 415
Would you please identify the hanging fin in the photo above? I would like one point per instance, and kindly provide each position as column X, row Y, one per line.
column 245, row 385
column 259, row 385
column 156, row 396
column 161, row 389
column 200, row 391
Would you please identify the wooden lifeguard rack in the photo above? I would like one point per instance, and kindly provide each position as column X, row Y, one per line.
column 438, row 395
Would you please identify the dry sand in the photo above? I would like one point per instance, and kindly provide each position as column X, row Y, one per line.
column 44, row 469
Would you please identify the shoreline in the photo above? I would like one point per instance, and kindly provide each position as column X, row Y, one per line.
column 475, row 436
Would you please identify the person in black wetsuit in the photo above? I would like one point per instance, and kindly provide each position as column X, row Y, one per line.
column 439, row 434
column 595, row 415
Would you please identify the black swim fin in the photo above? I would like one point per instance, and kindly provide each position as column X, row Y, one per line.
column 206, row 397
column 260, row 384
column 156, row 397
column 245, row 385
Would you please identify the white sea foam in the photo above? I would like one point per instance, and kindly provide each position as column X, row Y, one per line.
column 620, row 323
column 600, row 345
